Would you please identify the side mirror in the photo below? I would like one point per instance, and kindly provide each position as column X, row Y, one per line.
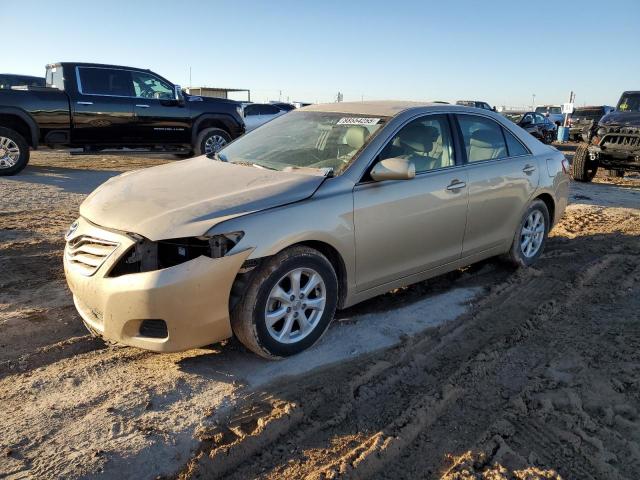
column 393, row 169
column 177, row 93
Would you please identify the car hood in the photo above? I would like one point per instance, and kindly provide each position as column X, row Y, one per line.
column 621, row 118
column 186, row 198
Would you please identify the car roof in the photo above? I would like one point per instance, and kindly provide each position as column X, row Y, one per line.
column 384, row 108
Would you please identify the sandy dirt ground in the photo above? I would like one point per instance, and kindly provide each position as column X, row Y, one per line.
column 484, row 373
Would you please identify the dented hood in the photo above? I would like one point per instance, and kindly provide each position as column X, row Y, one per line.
column 186, row 198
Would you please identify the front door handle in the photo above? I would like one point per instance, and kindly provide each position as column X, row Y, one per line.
column 84, row 103
column 529, row 169
column 456, row 185
column 142, row 105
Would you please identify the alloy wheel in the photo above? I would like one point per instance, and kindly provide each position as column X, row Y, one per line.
column 532, row 234
column 9, row 152
column 295, row 305
column 213, row 144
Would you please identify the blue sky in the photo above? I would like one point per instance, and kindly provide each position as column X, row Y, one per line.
column 498, row 51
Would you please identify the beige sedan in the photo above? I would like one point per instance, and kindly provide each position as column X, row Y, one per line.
column 319, row 209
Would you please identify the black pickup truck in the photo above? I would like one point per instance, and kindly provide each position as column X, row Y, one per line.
column 108, row 107
column 615, row 145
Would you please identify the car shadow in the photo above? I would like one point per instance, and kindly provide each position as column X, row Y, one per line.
column 70, row 180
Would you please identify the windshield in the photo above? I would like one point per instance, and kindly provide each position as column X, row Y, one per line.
column 315, row 140
column 629, row 102
column 550, row 110
column 588, row 113
column 515, row 117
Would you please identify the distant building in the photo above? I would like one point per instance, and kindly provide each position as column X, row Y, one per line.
column 216, row 92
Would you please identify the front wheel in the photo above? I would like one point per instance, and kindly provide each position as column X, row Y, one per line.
column 14, row 152
column 531, row 235
column 288, row 304
column 583, row 168
column 210, row 141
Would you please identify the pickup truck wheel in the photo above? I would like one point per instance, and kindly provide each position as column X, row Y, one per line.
column 288, row 304
column 14, row 152
column 583, row 168
column 210, row 140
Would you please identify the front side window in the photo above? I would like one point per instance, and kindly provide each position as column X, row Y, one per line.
column 305, row 140
column 540, row 120
column 149, row 86
column 483, row 138
column 105, row 81
column 425, row 141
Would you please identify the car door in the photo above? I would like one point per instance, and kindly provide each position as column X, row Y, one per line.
column 502, row 176
column 404, row 227
column 160, row 118
column 103, row 109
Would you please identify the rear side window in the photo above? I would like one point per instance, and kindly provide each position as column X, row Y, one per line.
column 483, row 138
column 269, row 110
column 55, row 78
column 105, row 81
column 513, row 145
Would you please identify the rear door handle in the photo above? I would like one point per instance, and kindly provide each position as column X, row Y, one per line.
column 142, row 105
column 456, row 185
column 529, row 169
column 84, row 103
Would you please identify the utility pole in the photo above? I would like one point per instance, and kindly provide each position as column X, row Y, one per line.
column 190, row 84
column 533, row 101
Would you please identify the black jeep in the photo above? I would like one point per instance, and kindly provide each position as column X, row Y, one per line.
column 616, row 143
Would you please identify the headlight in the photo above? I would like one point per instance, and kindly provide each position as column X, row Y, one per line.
column 147, row 256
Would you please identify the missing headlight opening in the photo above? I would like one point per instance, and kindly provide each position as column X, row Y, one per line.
column 147, row 256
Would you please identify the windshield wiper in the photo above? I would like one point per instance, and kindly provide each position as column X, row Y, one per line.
column 325, row 171
column 256, row 165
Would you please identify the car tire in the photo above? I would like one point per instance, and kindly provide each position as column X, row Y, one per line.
column 14, row 152
column 583, row 168
column 284, row 334
column 535, row 220
column 210, row 140
column 616, row 173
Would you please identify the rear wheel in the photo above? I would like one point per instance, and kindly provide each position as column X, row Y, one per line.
column 583, row 168
column 288, row 303
column 14, row 152
column 210, row 140
column 531, row 235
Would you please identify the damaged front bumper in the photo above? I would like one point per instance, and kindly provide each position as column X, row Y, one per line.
column 615, row 157
column 172, row 309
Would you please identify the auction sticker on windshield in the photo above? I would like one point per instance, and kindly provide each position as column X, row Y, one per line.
column 357, row 121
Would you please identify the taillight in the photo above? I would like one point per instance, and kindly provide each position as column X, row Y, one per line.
column 565, row 165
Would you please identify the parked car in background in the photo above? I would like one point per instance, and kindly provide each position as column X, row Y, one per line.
column 256, row 114
column 584, row 121
column 535, row 123
column 552, row 112
column 615, row 145
column 319, row 209
column 9, row 80
column 476, row 104
column 106, row 107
